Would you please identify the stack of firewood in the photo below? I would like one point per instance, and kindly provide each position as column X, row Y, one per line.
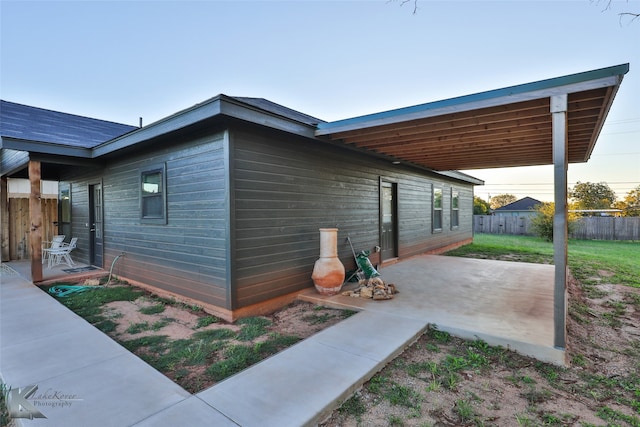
column 374, row 288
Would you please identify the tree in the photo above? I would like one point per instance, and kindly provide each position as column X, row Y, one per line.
column 480, row 206
column 502, row 200
column 588, row 195
column 542, row 221
column 630, row 15
column 630, row 206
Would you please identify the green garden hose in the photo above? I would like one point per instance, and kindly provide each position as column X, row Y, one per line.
column 66, row 290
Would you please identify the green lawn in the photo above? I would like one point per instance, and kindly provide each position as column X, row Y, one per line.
column 620, row 259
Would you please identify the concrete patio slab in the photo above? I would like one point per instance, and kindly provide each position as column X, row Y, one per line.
column 504, row 303
column 23, row 268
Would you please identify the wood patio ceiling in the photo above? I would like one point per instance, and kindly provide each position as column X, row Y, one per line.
column 495, row 129
column 516, row 134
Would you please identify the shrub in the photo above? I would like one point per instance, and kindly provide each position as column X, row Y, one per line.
column 542, row 222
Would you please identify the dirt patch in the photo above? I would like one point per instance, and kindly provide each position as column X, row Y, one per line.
column 300, row 319
column 195, row 349
column 445, row 381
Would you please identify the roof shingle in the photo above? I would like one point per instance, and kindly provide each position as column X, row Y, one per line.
column 37, row 124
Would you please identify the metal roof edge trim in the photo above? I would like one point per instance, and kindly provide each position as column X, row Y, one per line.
column 602, row 77
column 244, row 111
column 182, row 118
column 220, row 105
column 242, row 100
column 603, row 117
column 461, row 176
column 45, row 147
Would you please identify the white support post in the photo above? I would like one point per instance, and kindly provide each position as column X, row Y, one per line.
column 560, row 231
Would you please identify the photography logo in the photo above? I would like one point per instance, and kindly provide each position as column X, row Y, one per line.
column 24, row 402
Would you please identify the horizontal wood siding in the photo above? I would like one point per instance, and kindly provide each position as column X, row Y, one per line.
column 286, row 188
column 188, row 254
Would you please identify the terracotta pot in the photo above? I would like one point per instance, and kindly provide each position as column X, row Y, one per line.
column 328, row 272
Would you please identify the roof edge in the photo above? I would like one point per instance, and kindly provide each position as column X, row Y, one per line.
column 43, row 147
column 175, row 121
column 461, row 176
column 220, row 105
column 609, row 76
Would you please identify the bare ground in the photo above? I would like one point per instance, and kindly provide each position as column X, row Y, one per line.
column 177, row 322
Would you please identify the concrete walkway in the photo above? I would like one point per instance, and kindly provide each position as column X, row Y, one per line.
column 45, row 344
column 93, row 381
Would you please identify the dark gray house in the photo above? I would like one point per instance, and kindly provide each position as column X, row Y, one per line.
column 221, row 203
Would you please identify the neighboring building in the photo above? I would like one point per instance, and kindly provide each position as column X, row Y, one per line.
column 520, row 208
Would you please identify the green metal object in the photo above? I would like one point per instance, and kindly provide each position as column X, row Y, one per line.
column 365, row 265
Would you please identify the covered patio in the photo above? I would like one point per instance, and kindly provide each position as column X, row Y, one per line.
column 549, row 122
column 60, row 272
column 502, row 303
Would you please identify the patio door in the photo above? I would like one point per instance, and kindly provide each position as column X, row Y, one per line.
column 388, row 220
column 95, row 223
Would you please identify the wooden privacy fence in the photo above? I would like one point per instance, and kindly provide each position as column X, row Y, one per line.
column 499, row 224
column 608, row 228
column 587, row 228
column 20, row 226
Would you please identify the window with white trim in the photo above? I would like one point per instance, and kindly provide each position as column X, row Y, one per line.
column 455, row 208
column 437, row 209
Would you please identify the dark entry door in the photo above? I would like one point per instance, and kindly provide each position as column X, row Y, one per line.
column 95, row 223
column 389, row 228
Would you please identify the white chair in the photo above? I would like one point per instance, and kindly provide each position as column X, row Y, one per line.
column 62, row 254
column 55, row 243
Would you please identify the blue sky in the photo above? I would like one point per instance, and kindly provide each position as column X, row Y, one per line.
column 119, row 61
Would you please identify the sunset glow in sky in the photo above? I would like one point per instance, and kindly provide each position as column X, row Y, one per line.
column 122, row 60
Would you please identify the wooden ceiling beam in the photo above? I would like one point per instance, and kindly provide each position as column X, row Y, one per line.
column 475, row 118
column 507, row 135
column 586, row 113
column 488, row 115
column 447, row 134
column 470, row 152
